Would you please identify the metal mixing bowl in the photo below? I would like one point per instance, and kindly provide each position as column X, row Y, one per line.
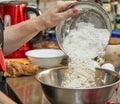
column 88, row 12
column 51, row 80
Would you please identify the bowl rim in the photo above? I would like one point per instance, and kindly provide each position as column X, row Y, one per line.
column 28, row 53
column 65, row 67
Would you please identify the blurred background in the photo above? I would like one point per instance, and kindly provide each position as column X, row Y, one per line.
column 47, row 38
column 111, row 6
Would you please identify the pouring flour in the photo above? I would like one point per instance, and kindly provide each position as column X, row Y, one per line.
column 83, row 45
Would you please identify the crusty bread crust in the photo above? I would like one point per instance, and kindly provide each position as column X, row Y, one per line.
column 16, row 69
column 114, row 41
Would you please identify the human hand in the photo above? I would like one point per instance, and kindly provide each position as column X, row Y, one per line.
column 58, row 12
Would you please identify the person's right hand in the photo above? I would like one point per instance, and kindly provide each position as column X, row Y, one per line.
column 58, row 12
column 31, row 27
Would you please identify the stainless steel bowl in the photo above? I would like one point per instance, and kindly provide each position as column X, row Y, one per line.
column 51, row 80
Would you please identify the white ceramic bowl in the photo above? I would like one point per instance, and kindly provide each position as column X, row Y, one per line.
column 45, row 58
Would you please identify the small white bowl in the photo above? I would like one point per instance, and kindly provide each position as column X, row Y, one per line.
column 45, row 58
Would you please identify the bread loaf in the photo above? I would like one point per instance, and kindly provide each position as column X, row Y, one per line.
column 15, row 69
column 114, row 41
column 45, row 44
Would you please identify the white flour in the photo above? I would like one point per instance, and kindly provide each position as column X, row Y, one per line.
column 86, row 42
column 82, row 45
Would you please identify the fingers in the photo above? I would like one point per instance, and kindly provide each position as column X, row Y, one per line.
column 63, row 9
column 64, row 5
column 68, row 13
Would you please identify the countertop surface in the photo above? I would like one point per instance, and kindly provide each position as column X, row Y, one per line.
column 28, row 90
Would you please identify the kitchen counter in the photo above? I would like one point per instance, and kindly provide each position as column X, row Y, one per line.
column 28, row 90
